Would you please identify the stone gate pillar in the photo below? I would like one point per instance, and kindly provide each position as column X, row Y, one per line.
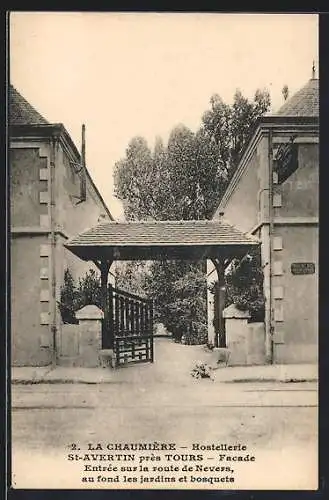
column 90, row 335
column 236, row 324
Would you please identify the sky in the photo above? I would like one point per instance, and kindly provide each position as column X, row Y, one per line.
column 128, row 74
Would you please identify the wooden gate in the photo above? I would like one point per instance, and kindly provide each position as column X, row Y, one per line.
column 131, row 321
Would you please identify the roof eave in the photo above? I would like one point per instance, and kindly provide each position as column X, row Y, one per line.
column 163, row 244
column 275, row 120
column 156, row 252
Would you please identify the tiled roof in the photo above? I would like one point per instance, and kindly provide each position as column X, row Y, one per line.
column 161, row 233
column 305, row 102
column 21, row 112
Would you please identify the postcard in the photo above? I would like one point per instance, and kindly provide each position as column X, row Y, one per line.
column 164, row 176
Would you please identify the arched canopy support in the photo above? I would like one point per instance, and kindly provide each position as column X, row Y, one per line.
column 219, row 302
column 219, row 266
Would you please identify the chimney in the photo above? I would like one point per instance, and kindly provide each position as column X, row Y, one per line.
column 313, row 71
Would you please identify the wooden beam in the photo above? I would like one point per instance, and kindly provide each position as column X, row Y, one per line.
column 107, row 333
column 219, row 302
column 219, row 266
column 98, row 264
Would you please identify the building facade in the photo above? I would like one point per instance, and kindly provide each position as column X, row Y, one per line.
column 274, row 196
column 51, row 199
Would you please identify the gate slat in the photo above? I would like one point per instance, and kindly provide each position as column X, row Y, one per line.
column 122, row 316
column 132, row 316
column 117, row 313
column 151, row 333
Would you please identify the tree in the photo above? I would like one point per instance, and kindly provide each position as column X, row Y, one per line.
column 134, row 180
column 230, row 127
column 216, row 123
column 184, row 180
column 181, row 181
column 160, row 287
column 190, row 306
column 244, row 117
column 74, row 296
column 68, row 298
column 131, row 276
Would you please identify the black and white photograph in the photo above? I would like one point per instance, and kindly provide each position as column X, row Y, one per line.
column 163, row 175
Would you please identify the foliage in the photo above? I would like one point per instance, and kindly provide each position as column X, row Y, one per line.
column 68, row 298
column 179, row 294
column 244, row 286
column 75, row 296
column 184, row 180
column 189, row 309
column 181, row 181
column 131, row 277
column 89, row 290
column 202, row 370
column 230, row 127
column 160, row 287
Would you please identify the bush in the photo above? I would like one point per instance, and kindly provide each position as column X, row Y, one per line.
column 244, row 287
column 73, row 297
column 189, row 308
column 202, row 370
column 68, row 299
column 89, row 290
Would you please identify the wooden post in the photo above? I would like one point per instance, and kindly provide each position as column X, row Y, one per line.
column 110, row 323
column 116, row 312
column 151, row 331
column 220, row 297
column 107, row 335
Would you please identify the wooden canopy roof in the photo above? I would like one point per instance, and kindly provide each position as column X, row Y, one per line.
column 153, row 240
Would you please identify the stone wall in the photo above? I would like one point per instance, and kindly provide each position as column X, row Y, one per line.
column 295, row 297
column 81, row 344
column 31, row 340
column 31, row 253
column 27, row 186
column 245, row 341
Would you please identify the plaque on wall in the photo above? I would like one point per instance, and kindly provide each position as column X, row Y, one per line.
column 303, row 268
